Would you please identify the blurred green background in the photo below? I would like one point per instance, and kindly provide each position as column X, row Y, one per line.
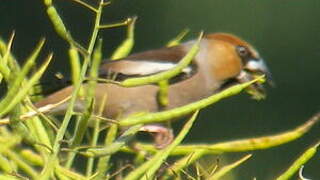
column 286, row 33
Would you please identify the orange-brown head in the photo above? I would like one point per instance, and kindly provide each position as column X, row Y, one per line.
column 232, row 56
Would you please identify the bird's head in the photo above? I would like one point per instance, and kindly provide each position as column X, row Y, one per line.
column 236, row 59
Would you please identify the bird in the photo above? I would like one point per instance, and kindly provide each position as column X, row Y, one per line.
column 222, row 59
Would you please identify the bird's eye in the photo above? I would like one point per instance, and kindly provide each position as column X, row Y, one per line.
column 242, row 51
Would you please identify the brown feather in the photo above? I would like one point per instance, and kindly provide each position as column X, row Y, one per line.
column 217, row 62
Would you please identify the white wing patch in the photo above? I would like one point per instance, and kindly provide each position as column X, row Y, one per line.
column 148, row 67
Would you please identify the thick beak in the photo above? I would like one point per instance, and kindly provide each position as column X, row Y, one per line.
column 252, row 68
column 259, row 66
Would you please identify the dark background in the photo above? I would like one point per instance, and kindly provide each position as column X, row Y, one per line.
column 286, row 33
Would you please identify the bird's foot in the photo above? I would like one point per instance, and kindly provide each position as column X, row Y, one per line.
column 162, row 136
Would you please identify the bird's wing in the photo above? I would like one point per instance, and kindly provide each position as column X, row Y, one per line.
column 146, row 63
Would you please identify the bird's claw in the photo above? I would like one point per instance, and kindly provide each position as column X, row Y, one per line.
column 162, row 136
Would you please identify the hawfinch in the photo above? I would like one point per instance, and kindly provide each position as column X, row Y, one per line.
column 221, row 60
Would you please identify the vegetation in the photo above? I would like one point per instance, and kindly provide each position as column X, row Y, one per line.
column 34, row 146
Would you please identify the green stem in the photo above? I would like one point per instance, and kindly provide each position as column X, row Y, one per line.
column 48, row 169
column 308, row 154
column 148, row 169
column 83, row 124
column 23, row 165
column 103, row 162
column 116, row 146
column 187, row 109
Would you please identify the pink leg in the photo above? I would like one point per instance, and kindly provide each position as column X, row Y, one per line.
column 162, row 136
